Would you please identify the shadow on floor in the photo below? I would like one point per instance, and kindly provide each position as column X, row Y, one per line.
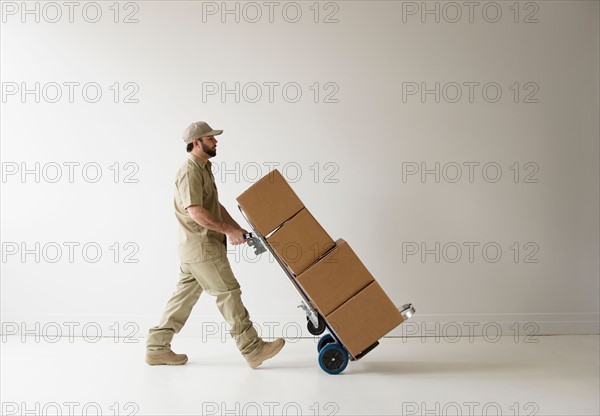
column 429, row 367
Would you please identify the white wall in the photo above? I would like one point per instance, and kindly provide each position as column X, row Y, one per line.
column 365, row 140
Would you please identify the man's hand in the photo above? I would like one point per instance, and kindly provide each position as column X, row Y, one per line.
column 236, row 237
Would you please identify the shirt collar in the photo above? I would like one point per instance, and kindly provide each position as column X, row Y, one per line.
column 199, row 162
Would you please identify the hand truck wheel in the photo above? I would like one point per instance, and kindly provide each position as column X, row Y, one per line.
column 325, row 340
column 319, row 329
column 333, row 358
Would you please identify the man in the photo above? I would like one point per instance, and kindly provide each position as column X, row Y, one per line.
column 205, row 225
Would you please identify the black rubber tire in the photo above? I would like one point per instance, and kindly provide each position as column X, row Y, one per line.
column 319, row 329
column 324, row 340
column 333, row 358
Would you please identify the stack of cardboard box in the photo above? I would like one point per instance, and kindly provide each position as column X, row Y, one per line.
column 335, row 281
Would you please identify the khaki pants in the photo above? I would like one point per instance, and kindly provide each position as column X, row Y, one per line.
column 215, row 277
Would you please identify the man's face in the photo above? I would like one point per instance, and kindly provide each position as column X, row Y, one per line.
column 209, row 145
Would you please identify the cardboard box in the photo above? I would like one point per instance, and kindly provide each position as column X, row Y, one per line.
column 269, row 202
column 364, row 318
column 300, row 241
column 335, row 278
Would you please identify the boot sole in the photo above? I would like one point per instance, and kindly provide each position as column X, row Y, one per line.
column 150, row 362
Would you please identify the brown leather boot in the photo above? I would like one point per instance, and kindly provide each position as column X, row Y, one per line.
column 166, row 358
column 267, row 350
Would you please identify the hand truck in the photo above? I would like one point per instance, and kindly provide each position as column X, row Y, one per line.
column 333, row 355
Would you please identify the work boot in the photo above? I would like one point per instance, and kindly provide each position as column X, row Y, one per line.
column 267, row 350
column 166, row 358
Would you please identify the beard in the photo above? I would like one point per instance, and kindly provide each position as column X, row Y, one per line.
column 208, row 150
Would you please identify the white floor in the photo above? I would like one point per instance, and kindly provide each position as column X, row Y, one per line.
column 559, row 375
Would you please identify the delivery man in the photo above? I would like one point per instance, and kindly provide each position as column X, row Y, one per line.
column 205, row 225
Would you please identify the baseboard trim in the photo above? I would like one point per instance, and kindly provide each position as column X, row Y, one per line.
column 447, row 327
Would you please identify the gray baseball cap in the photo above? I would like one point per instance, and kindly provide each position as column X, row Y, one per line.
column 197, row 130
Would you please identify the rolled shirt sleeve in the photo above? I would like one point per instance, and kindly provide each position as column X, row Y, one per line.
column 191, row 189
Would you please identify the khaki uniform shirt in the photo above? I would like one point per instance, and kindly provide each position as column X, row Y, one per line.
column 195, row 185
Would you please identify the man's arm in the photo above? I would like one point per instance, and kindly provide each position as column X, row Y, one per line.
column 205, row 219
column 227, row 218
